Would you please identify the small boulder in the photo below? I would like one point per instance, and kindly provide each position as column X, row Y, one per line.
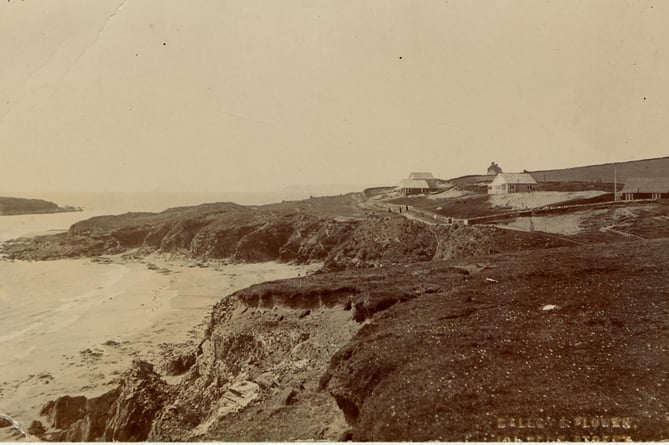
column 122, row 414
column 36, row 429
column 179, row 363
column 4, row 422
column 142, row 394
column 287, row 397
column 64, row 411
column 266, row 380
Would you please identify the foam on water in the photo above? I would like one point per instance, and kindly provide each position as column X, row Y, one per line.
column 16, row 333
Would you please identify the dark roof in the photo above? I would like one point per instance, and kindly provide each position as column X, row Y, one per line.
column 646, row 185
column 421, row 175
column 515, row 178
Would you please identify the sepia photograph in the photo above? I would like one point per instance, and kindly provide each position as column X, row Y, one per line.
column 334, row 221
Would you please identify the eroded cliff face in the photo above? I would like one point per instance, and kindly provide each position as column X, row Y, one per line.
column 257, row 377
column 438, row 350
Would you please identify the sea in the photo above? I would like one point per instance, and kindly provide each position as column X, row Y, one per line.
column 50, row 310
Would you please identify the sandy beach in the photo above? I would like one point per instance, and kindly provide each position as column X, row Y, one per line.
column 72, row 326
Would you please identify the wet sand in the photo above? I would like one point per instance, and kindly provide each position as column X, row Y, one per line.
column 72, row 326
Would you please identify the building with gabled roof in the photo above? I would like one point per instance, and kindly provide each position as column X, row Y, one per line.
column 413, row 186
column 645, row 188
column 511, row 183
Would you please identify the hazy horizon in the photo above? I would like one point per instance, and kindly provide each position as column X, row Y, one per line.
column 258, row 96
column 315, row 189
column 154, row 201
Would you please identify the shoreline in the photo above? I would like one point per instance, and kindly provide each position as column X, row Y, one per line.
column 151, row 305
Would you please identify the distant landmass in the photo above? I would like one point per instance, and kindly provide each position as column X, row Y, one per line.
column 23, row 206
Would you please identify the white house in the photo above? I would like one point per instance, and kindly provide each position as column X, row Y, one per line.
column 511, row 183
column 413, row 186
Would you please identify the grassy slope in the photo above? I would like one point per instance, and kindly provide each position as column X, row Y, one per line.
column 480, row 204
column 327, row 206
column 605, row 172
column 447, row 364
column 593, row 174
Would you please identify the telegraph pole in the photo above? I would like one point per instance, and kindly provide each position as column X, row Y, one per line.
column 615, row 183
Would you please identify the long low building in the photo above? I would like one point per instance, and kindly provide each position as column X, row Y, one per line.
column 511, row 183
column 413, row 186
column 645, row 188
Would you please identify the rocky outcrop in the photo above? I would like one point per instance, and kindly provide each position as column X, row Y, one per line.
column 64, row 411
column 142, row 395
column 179, row 359
column 122, row 414
column 256, row 376
column 248, row 234
column 241, row 234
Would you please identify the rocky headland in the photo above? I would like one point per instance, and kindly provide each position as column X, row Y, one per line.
column 23, row 206
column 334, row 232
column 410, row 331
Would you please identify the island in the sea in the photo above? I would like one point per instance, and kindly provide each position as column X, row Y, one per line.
column 24, row 206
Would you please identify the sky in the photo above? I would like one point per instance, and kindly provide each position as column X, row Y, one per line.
column 260, row 95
